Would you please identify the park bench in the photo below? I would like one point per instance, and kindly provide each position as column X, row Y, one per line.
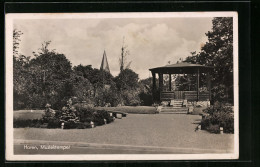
column 118, row 114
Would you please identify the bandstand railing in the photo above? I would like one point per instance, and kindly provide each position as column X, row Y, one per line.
column 188, row 95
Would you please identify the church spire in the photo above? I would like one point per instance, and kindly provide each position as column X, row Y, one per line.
column 104, row 64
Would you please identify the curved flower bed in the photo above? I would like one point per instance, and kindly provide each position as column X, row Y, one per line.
column 219, row 115
column 70, row 117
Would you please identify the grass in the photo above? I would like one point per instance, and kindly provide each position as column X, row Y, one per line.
column 28, row 114
column 37, row 114
column 131, row 109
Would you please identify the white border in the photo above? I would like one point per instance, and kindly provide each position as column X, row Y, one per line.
column 9, row 87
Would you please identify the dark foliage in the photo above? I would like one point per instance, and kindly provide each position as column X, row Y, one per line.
column 145, row 95
column 218, row 53
column 54, row 123
column 77, row 116
column 19, row 123
column 127, row 79
column 99, row 117
column 220, row 115
column 88, row 114
column 106, row 96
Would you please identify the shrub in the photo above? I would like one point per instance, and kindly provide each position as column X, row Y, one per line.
column 108, row 96
column 70, row 125
column 49, row 114
column 213, row 128
column 84, row 125
column 54, row 123
column 146, row 98
column 77, row 116
column 99, row 117
column 220, row 115
column 87, row 114
column 220, row 93
column 18, row 123
column 131, row 97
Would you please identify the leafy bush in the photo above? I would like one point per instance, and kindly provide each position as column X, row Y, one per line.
column 84, row 125
column 76, row 116
column 222, row 93
column 84, row 113
column 146, row 98
column 49, row 114
column 54, row 123
column 131, row 97
column 146, row 89
column 220, row 115
column 108, row 96
column 87, row 114
column 213, row 128
column 99, row 117
column 18, row 123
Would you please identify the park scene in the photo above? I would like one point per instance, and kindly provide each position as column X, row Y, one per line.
column 123, row 86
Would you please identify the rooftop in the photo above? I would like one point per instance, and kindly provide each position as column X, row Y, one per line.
column 181, row 67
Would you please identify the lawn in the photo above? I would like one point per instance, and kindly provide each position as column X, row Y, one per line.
column 28, row 114
column 160, row 130
column 131, row 109
column 37, row 114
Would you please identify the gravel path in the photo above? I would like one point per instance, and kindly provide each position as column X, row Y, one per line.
column 163, row 130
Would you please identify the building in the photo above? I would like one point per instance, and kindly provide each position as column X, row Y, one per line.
column 182, row 96
column 104, row 64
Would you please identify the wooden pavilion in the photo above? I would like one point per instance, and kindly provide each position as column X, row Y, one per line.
column 182, row 68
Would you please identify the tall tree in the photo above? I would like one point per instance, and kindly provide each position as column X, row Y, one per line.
column 51, row 72
column 21, row 77
column 98, row 78
column 218, row 53
column 128, row 87
column 123, row 58
column 127, row 79
column 16, row 41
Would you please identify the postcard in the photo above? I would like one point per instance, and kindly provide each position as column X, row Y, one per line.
column 121, row 86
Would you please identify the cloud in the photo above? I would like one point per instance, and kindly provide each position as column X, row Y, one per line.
column 151, row 42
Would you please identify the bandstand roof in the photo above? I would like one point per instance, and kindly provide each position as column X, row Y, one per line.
column 181, row 68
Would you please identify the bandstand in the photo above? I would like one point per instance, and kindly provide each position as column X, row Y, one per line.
column 183, row 69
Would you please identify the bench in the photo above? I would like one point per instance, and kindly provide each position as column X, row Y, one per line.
column 118, row 114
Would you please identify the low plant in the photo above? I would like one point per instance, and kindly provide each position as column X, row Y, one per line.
column 76, row 116
column 54, row 123
column 213, row 128
column 219, row 115
column 20, row 123
column 88, row 114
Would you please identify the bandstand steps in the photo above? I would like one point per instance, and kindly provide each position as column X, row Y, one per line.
column 176, row 103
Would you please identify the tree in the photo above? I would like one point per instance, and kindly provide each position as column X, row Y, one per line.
column 145, row 95
column 16, row 41
column 51, row 74
column 127, row 79
column 81, row 87
column 128, row 87
column 21, row 76
column 123, row 57
column 218, row 53
column 98, row 78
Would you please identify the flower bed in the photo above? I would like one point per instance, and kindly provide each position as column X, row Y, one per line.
column 218, row 115
column 70, row 117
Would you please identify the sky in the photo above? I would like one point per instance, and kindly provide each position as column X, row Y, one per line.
column 152, row 42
